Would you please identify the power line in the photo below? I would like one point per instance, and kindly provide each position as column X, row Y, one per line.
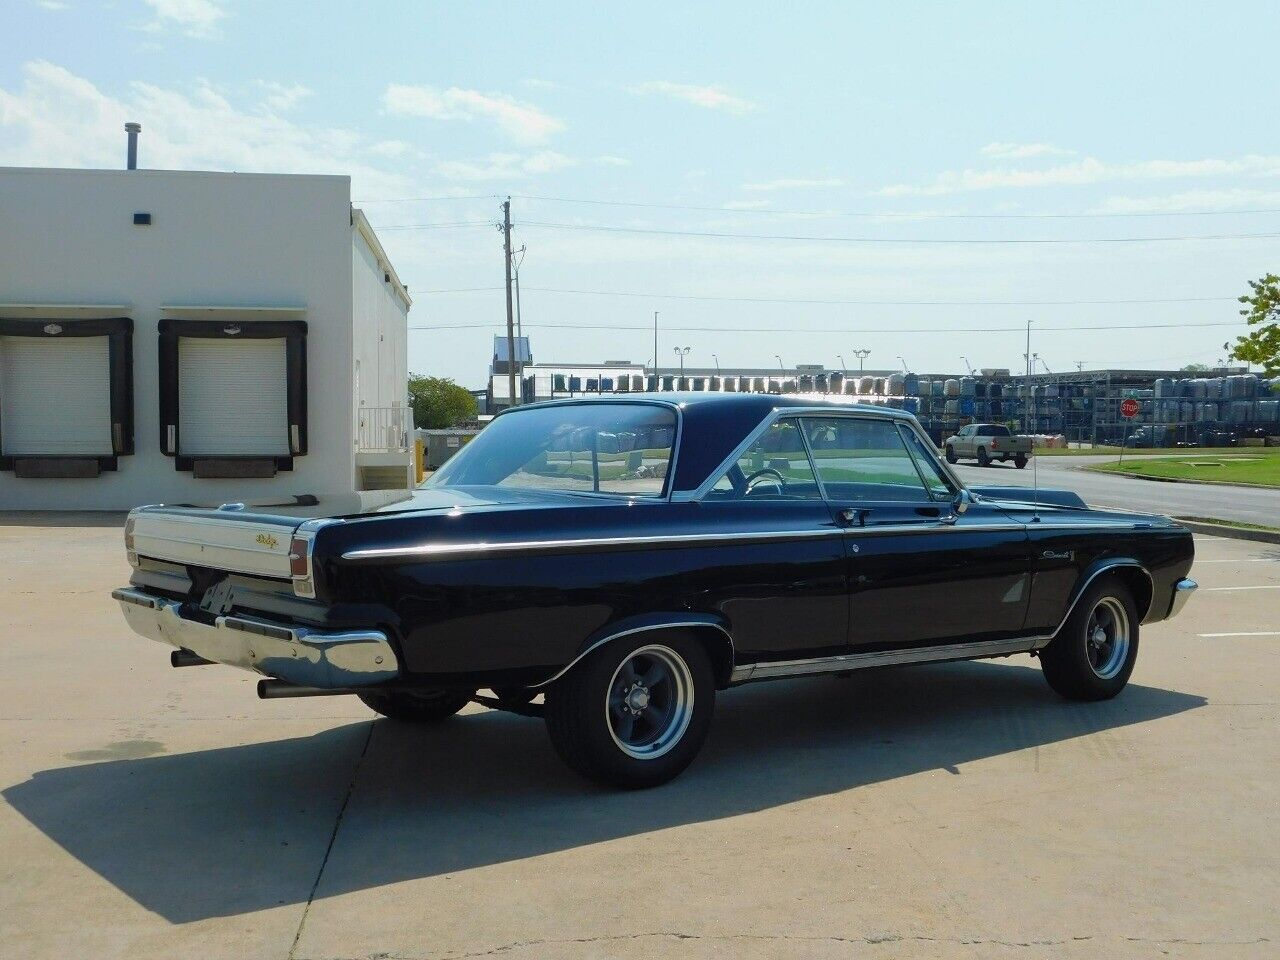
column 832, row 330
column 707, row 234
column 437, row 226
column 852, row 214
column 844, row 302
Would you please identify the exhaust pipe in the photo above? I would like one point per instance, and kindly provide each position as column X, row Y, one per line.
column 132, row 129
column 272, row 689
column 185, row 658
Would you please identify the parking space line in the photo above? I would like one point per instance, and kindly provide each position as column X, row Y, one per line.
column 1241, row 560
column 1270, row 586
column 1255, row 633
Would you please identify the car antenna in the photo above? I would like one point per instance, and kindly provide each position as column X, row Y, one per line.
column 1031, row 437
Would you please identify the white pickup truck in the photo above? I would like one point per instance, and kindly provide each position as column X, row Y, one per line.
column 986, row 442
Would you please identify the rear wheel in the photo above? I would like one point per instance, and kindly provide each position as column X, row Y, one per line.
column 1093, row 655
column 416, row 706
column 983, row 459
column 951, row 454
column 633, row 714
column 1020, row 460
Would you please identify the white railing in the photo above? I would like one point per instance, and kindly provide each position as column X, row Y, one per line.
column 383, row 429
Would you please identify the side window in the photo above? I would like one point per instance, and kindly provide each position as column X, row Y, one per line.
column 940, row 487
column 775, row 467
column 863, row 460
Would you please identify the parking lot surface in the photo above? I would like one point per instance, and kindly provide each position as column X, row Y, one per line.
column 940, row 812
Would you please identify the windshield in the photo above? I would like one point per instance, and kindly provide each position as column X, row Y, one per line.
column 612, row 448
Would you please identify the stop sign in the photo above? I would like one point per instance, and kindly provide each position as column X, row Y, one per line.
column 1129, row 408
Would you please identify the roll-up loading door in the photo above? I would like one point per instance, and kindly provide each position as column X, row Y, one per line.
column 233, row 398
column 55, row 396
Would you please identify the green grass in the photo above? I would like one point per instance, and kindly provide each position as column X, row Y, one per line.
column 1152, row 451
column 1230, row 523
column 1236, row 468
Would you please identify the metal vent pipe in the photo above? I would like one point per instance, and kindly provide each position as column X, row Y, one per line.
column 132, row 129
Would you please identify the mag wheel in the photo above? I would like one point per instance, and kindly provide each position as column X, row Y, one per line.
column 633, row 714
column 1093, row 655
column 416, row 706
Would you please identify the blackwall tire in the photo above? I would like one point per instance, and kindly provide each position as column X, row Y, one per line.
column 635, row 713
column 983, row 459
column 951, row 454
column 427, row 706
column 1093, row 654
column 1020, row 461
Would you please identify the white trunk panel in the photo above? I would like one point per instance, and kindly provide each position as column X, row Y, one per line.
column 232, row 397
column 55, row 396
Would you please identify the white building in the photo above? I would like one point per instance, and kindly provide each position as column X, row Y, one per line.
column 191, row 337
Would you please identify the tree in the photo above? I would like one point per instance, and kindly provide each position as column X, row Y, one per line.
column 1196, row 368
column 1262, row 309
column 439, row 403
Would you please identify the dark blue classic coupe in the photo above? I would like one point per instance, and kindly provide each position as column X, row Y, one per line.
column 626, row 558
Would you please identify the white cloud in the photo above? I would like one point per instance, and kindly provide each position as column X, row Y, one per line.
column 56, row 118
column 194, row 18
column 1023, row 151
column 51, row 4
column 793, row 183
column 280, row 96
column 505, row 166
column 1192, row 200
column 748, row 204
column 1086, row 171
column 609, row 160
column 710, row 97
column 522, row 122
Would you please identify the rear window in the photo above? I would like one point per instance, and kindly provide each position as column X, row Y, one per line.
column 612, row 448
column 994, row 431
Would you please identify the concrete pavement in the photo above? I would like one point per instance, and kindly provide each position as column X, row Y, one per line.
column 939, row 812
column 1242, row 504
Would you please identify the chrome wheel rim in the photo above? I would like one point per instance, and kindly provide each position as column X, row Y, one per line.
column 1106, row 638
column 649, row 702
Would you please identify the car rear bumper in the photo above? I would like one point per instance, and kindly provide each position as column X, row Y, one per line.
column 310, row 658
column 1182, row 591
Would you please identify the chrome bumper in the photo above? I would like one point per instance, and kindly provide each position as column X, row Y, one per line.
column 306, row 657
column 1182, row 591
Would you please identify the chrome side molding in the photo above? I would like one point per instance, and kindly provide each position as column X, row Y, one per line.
column 882, row 658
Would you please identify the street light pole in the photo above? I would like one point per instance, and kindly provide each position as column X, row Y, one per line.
column 717, row 360
column 862, row 355
column 682, row 352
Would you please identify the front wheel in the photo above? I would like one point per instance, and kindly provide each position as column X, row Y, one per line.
column 1020, row 461
column 1093, row 654
column 416, row 706
column 633, row 714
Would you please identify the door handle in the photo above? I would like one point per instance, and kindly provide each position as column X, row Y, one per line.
column 851, row 516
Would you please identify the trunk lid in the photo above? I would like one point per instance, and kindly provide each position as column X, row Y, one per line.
column 233, row 540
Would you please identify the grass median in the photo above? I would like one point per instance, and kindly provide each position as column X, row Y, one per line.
column 1257, row 469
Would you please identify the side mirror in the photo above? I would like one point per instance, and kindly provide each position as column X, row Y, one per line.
column 963, row 500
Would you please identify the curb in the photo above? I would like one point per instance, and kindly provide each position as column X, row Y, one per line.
column 1233, row 533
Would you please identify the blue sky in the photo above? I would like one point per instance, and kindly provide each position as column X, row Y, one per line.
column 892, row 126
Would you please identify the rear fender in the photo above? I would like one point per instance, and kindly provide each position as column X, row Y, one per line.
column 710, row 630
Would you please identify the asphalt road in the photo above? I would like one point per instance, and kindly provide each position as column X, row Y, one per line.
column 1244, row 504
column 952, row 812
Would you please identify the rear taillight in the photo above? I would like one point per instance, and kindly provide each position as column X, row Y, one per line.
column 301, row 549
column 129, row 549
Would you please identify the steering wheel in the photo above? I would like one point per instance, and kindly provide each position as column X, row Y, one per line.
column 765, row 471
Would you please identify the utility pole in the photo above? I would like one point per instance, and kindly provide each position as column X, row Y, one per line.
column 519, row 324
column 511, row 333
column 655, row 346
